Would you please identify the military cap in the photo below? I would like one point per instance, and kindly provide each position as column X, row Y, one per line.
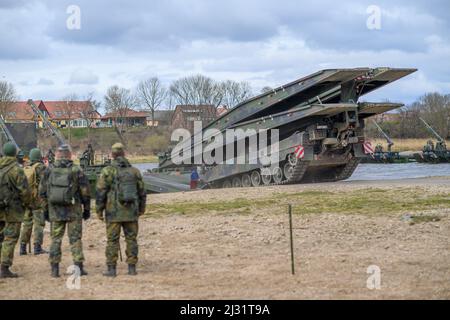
column 9, row 149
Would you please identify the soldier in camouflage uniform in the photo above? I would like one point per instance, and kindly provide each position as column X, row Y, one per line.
column 66, row 194
column 14, row 198
column 121, row 196
column 34, row 221
column 50, row 156
column 21, row 158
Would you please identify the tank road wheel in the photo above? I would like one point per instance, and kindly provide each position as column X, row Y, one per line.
column 292, row 159
column 226, row 184
column 246, row 181
column 277, row 175
column 256, row 178
column 237, row 182
column 266, row 177
column 288, row 170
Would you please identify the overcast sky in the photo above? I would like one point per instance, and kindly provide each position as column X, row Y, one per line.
column 266, row 43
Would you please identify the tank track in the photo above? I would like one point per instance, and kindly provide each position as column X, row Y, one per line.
column 348, row 170
column 299, row 171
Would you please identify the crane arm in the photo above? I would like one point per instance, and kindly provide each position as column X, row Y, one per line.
column 432, row 130
column 388, row 139
column 55, row 132
column 4, row 129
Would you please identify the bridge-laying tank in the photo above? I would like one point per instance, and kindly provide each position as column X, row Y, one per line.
column 320, row 124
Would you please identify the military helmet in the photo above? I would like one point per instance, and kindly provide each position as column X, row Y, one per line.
column 9, row 149
column 35, row 154
column 20, row 154
column 64, row 148
column 118, row 147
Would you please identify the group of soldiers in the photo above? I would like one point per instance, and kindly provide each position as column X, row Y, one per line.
column 60, row 194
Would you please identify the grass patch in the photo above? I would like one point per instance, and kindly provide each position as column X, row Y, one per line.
column 363, row 201
column 424, row 219
column 142, row 159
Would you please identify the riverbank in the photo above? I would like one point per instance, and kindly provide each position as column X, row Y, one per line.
column 402, row 145
column 234, row 244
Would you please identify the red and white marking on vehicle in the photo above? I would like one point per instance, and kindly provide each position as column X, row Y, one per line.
column 368, row 149
column 299, row 152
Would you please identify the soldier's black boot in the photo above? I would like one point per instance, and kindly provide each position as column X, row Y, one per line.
column 132, row 270
column 111, row 272
column 82, row 271
column 23, row 249
column 55, row 270
column 38, row 249
column 6, row 273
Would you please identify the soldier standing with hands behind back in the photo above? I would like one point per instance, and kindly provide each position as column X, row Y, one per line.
column 121, row 195
column 34, row 221
column 66, row 193
column 14, row 198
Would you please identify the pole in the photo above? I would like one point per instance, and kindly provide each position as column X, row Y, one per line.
column 292, row 238
column 120, row 251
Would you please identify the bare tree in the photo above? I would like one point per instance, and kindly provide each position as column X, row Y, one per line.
column 7, row 97
column 266, row 89
column 152, row 94
column 87, row 111
column 197, row 90
column 235, row 92
column 435, row 109
column 118, row 102
column 69, row 109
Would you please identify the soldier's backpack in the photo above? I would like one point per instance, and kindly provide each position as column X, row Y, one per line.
column 6, row 192
column 30, row 173
column 60, row 187
column 126, row 185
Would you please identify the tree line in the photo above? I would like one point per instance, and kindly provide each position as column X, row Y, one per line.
column 151, row 95
column 433, row 107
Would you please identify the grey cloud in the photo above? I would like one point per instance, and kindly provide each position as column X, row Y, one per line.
column 82, row 76
column 164, row 25
column 22, row 31
column 45, row 82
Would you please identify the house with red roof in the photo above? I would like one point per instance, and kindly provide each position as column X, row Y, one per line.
column 19, row 112
column 125, row 117
column 77, row 114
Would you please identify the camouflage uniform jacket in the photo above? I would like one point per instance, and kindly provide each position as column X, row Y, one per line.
column 38, row 204
column 21, row 199
column 81, row 190
column 106, row 195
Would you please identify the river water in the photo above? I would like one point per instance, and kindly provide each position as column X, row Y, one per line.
column 369, row 171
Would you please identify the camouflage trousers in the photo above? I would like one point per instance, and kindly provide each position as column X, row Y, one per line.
column 74, row 231
column 130, row 229
column 2, row 237
column 10, row 232
column 33, row 222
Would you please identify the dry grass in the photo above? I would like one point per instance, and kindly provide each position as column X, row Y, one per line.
column 367, row 201
column 404, row 144
column 142, row 158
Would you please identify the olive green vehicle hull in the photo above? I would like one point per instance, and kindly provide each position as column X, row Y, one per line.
column 319, row 113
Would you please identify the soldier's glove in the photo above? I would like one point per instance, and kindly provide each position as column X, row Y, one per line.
column 86, row 214
column 46, row 216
